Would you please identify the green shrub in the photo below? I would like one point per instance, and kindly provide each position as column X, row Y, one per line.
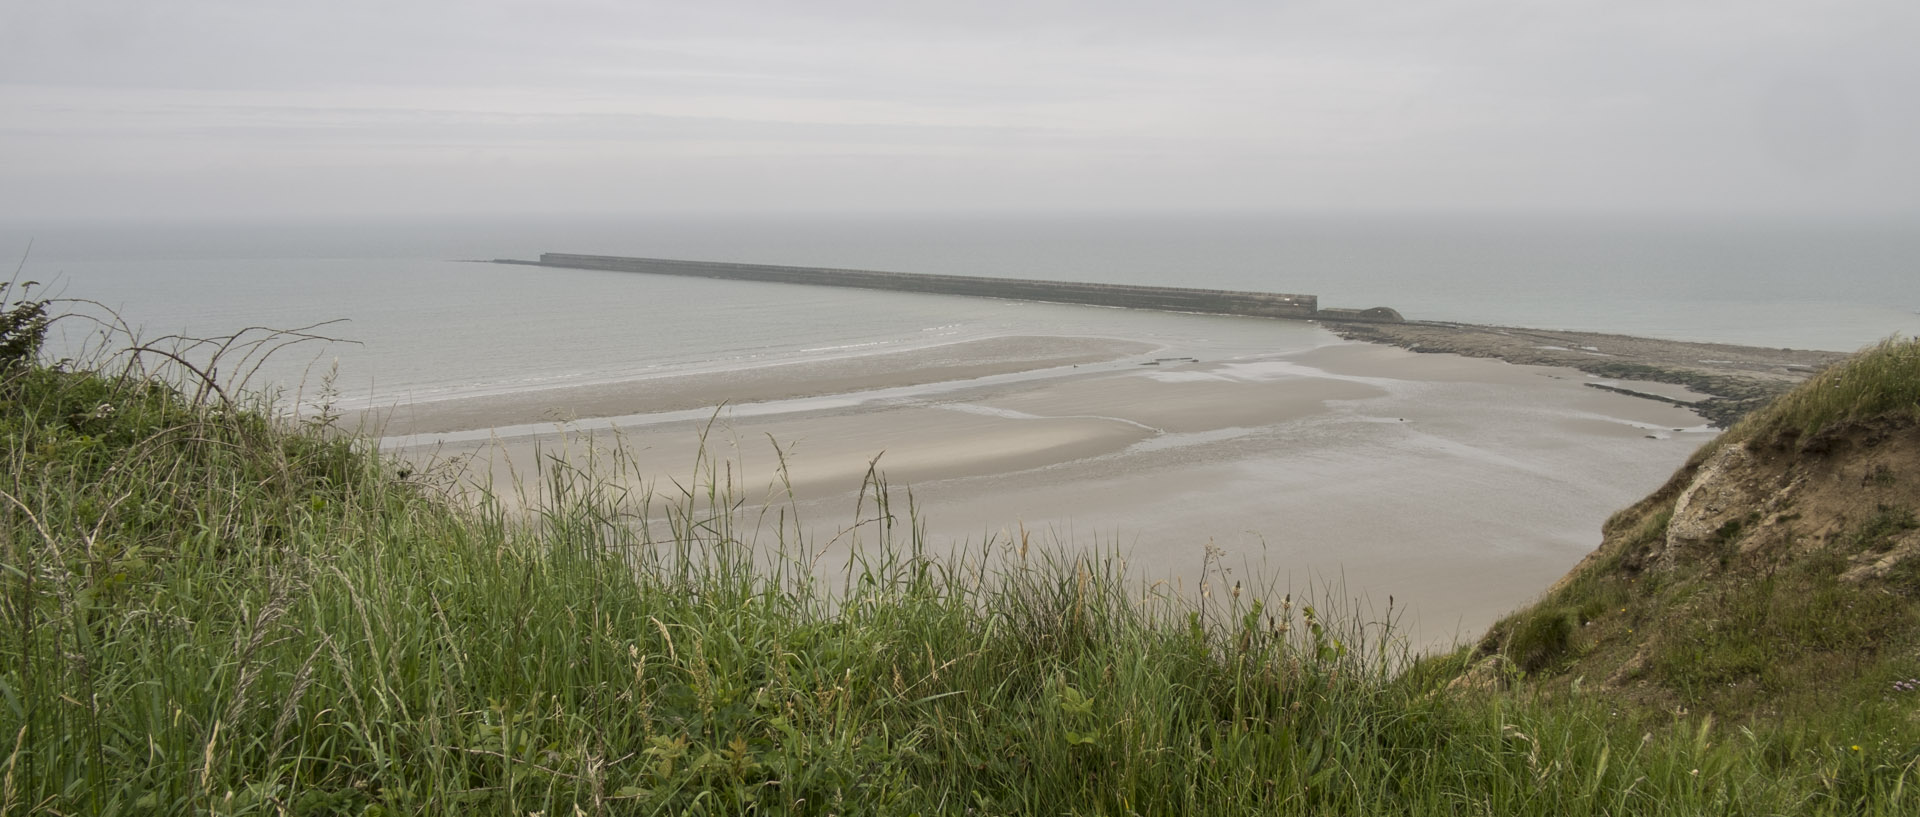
column 1878, row 532
column 23, row 326
column 1542, row 637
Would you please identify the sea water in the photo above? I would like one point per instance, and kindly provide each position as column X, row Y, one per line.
column 421, row 322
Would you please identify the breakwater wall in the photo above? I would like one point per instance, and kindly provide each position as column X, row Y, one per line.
column 1172, row 299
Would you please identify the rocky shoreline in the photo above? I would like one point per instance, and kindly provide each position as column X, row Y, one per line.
column 1736, row 379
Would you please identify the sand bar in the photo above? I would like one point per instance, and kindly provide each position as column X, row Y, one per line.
column 838, row 375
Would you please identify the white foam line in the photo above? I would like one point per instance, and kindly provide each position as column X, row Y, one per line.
column 1168, row 442
column 1010, row 414
column 1263, row 371
column 1420, row 441
column 1639, row 425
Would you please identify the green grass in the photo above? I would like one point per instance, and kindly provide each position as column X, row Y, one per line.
column 205, row 610
column 1882, row 380
column 1744, row 643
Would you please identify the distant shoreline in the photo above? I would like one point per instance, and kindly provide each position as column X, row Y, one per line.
column 1723, row 382
column 1729, row 380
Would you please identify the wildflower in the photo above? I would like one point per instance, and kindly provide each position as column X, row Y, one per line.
column 1856, row 747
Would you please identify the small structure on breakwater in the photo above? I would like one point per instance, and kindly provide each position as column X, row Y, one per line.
column 1169, row 299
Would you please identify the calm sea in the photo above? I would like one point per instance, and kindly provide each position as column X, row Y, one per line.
column 427, row 325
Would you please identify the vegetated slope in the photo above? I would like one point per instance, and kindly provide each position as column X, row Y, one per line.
column 1777, row 573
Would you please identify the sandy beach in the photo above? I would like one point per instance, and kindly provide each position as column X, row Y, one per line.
column 1461, row 487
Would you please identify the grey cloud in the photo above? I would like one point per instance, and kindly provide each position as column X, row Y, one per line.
column 1703, row 105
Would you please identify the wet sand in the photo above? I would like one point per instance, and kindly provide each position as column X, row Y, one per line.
column 1461, row 487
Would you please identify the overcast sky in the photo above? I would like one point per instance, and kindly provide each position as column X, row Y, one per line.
column 217, row 108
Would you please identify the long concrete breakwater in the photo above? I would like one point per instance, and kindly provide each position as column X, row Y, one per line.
column 1169, row 299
